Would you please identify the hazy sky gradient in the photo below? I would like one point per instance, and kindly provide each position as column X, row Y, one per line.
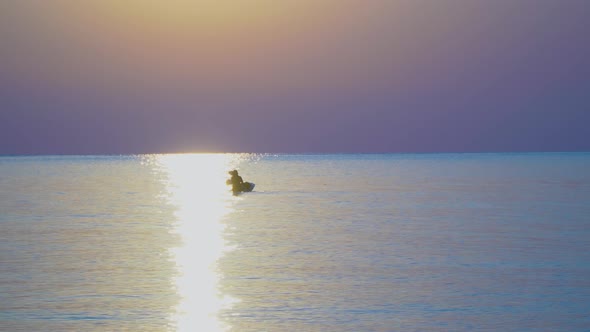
column 110, row 76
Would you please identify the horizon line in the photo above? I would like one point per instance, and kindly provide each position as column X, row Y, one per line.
column 286, row 153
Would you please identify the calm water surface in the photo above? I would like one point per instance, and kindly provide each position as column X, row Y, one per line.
column 448, row 242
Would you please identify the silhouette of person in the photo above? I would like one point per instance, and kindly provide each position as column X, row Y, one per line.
column 236, row 181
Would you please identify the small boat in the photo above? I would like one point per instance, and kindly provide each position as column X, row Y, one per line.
column 247, row 187
column 244, row 188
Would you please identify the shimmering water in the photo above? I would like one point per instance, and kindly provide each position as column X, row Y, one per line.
column 448, row 242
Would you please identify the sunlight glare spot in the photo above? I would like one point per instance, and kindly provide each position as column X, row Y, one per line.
column 196, row 185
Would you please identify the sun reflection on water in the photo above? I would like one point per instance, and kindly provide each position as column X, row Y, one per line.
column 196, row 187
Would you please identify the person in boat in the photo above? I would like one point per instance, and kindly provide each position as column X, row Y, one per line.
column 236, row 181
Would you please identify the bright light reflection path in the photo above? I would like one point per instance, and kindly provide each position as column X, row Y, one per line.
column 196, row 184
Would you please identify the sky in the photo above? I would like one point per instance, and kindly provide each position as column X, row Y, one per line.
column 294, row 76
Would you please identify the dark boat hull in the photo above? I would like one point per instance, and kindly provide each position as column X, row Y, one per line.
column 244, row 187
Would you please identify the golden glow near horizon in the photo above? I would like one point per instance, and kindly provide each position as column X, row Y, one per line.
column 160, row 47
column 196, row 185
column 178, row 51
column 183, row 14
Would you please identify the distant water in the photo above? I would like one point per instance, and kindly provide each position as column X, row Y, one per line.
column 399, row 242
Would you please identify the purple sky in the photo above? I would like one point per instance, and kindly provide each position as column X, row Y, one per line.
column 107, row 76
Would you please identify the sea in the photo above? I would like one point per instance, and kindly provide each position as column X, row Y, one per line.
column 325, row 242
